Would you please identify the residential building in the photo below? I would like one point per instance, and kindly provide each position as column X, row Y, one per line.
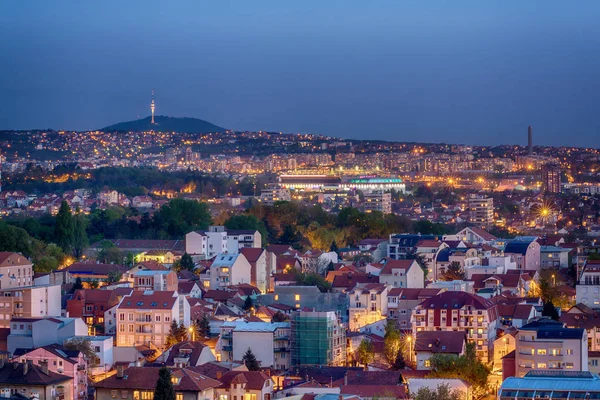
column 260, row 271
column 187, row 354
column 526, row 252
column 548, row 345
column 215, row 240
column 378, row 200
column 368, row 304
column 474, row 235
column 459, row 311
column 554, row 257
column 503, row 346
column 55, row 358
column 481, row 210
column 34, row 382
column 103, row 348
column 247, row 385
column 429, row 250
column 138, row 383
column 90, row 271
column 274, row 193
column 402, row 274
column 229, row 269
column 15, row 270
column 91, row 305
column 29, row 302
column 318, row 338
column 584, row 317
column 30, row 333
column 401, row 301
column 587, row 290
column 551, row 384
column 402, row 245
column 377, row 248
column 269, row 341
column 145, row 317
column 551, row 178
column 428, row 343
column 155, row 280
column 300, row 297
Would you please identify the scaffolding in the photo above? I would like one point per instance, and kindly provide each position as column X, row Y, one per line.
column 318, row 338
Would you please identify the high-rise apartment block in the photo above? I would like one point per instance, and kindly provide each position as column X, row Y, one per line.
column 481, row 210
column 551, row 178
column 318, row 338
column 378, row 200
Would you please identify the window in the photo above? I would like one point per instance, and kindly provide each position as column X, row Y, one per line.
column 157, row 318
column 541, row 365
column 541, row 352
column 427, row 363
column 297, row 297
column 569, row 365
column 570, row 352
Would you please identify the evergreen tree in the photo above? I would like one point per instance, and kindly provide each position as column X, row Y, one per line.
column 248, row 303
column 77, row 285
column 334, row 247
column 164, row 387
column 391, row 342
column 250, row 361
column 186, row 263
column 182, row 332
column 203, row 326
column 454, row 272
column 279, row 317
column 549, row 310
column 172, row 336
column 399, row 363
column 64, row 230
column 80, row 239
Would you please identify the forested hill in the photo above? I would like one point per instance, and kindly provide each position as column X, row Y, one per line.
column 165, row 124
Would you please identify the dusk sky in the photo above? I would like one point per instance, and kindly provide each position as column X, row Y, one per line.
column 476, row 72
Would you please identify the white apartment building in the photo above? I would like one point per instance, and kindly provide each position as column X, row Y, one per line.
column 378, row 200
column 481, row 210
column 229, row 269
column 29, row 302
column 588, row 287
column 15, row 270
column 269, row 341
column 368, row 304
column 402, row 274
column 217, row 239
column 274, row 193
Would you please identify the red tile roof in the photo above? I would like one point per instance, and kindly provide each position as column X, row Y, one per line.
column 395, row 264
column 144, row 378
column 254, row 380
column 440, row 341
column 139, row 300
column 252, row 254
column 375, row 391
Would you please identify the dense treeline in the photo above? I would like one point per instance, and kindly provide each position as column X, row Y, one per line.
column 130, row 181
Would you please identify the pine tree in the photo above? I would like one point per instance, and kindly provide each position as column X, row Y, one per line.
column 186, row 263
column 164, row 387
column 279, row 317
column 172, row 336
column 248, row 303
column 399, row 363
column 77, row 285
column 182, row 332
column 203, row 326
column 64, row 230
column 549, row 310
column 80, row 239
column 334, row 247
column 250, row 361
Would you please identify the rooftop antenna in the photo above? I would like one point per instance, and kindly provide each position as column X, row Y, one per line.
column 152, row 107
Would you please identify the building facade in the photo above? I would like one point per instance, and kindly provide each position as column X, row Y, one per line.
column 318, row 338
column 481, row 210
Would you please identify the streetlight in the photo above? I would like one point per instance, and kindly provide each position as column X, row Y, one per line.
column 409, row 339
column 554, row 279
column 191, row 329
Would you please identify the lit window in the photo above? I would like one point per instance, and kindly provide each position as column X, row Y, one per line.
column 427, row 363
column 297, row 297
column 276, row 297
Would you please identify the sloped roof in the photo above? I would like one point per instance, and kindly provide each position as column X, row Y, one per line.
column 354, row 377
column 252, row 254
column 392, row 264
column 455, row 300
column 13, row 374
column 146, row 377
column 440, row 341
column 188, row 345
column 160, row 300
column 254, row 380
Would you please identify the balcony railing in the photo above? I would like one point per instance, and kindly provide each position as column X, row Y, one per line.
column 227, row 348
column 281, row 349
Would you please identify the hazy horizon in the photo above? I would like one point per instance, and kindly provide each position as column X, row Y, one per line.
column 474, row 73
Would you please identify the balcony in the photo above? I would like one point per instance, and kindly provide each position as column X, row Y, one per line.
column 227, row 348
column 282, row 338
column 80, row 367
column 226, row 335
column 281, row 349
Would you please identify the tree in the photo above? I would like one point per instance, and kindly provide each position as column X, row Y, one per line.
column 248, row 222
column 186, row 263
column 203, row 326
column 365, row 352
column 279, row 317
column 78, row 285
column 64, row 230
column 391, row 342
column 442, row 392
column 164, row 387
column 250, row 361
column 80, row 238
column 94, row 284
column 334, row 247
column 173, row 334
column 399, row 363
column 549, row 310
column 454, row 272
column 114, row 276
column 85, row 347
column 180, row 216
column 248, row 303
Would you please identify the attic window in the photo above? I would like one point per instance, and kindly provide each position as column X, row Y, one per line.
column 444, row 347
column 140, row 303
column 153, row 304
column 165, row 304
column 430, row 345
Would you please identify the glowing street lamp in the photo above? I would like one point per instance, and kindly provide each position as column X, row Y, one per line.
column 191, row 329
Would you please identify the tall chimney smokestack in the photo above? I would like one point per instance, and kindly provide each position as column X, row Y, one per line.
column 530, row 141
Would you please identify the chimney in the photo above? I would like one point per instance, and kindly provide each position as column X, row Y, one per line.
column 530, row 141
column 26, row 367
column 120, row 371
column 345, row 378
column 219, row 374
column 44, row 367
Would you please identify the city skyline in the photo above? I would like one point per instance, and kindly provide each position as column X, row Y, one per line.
column 391, row 71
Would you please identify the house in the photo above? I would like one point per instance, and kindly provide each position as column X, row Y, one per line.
column 503, row 346
column 286, row 264
column 252, row 385
column 402, row 245
column 582, row 316
column 554, row 257
column 91, row 305
column 260, row 271
column 189, row 289
column 155, row 280
column 401, row 301
column 428, row 343
column 402, row 274
column 15, row 270
column 89, row 271
column 515, row 315
column 454, row 384
column 167, row 258
column 475, row 235
column 376, row 248
column 368, row 304
column 488, row 286
column 144, row 317
column 34, row 381
column 429, row 250
column 229, row 269
column 187, row 354
column 526, row 252
column 138, row 383
column 55, row 358
column 29, row 302
column 217, row 239
column 549, row 345
column 269, row 341
column 343, row 282
column 588, row 284
column 451, row 311
column 30, row 333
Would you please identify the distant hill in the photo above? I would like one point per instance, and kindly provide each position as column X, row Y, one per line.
column 165, row 124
